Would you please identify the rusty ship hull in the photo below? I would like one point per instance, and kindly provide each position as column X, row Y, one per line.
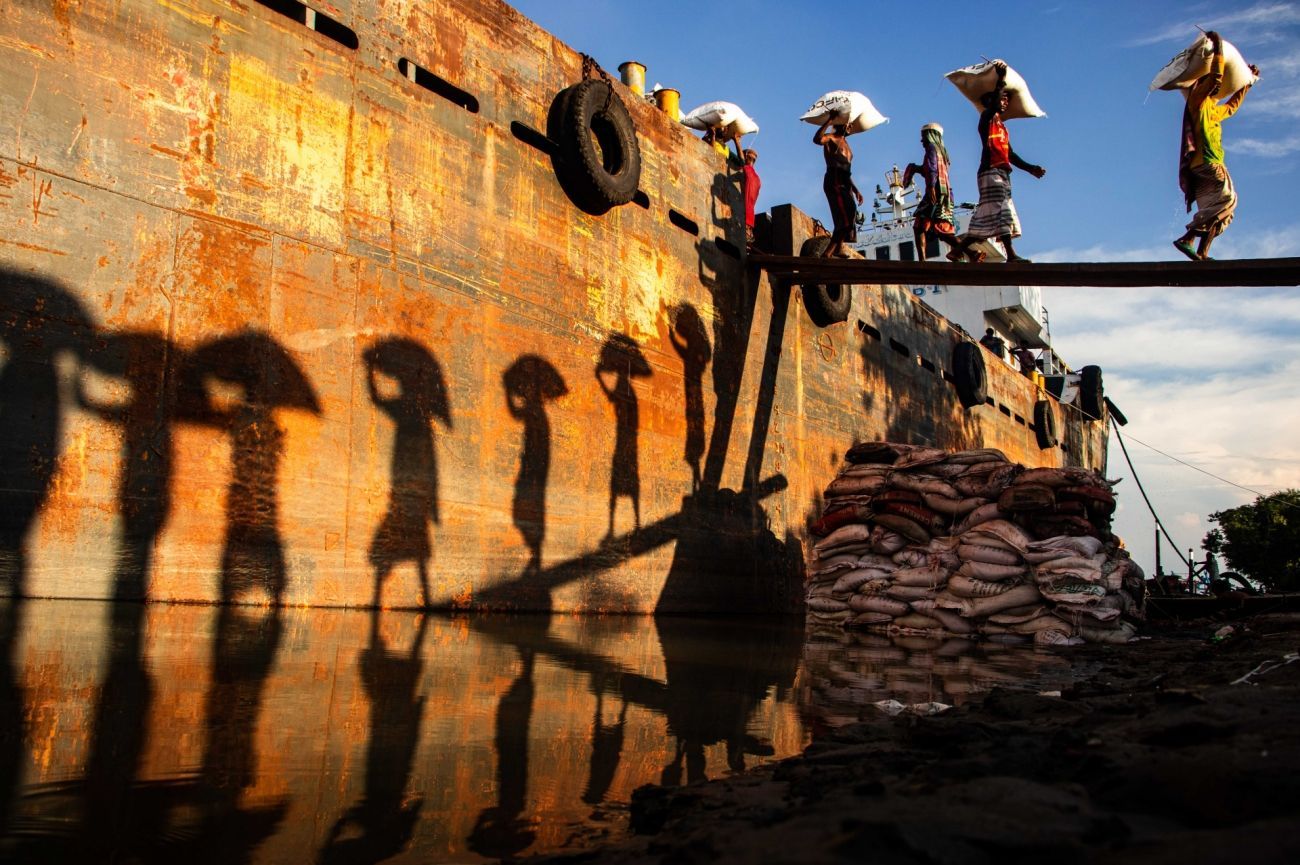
column 296, row 311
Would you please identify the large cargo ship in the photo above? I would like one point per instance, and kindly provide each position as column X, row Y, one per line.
column 306, row 304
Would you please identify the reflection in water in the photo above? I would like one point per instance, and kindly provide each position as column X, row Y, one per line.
column 847, row 672
column 381, row 824
column 161, row 733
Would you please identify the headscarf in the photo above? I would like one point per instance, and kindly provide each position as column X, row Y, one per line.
column 932, row 135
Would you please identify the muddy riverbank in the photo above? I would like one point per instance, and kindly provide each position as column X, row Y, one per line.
column 1180, row 748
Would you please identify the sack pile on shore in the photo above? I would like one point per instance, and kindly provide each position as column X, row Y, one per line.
column 917, row 539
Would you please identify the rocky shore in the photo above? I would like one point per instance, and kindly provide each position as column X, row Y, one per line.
column 1184, row 747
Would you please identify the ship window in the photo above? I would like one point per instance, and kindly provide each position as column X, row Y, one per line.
column 1006, row 411
column 530, row 136
column 641, row 200
column 441, row 86
column 728, row 247
column 868, row 330
column 1020, row 420
column 947, row 376
column 685, row 223
column 989, row 400
column 899, row 347
column 318, row 21
column 906, row 251
column 931, row 246
column 882, row 253
column 929, row 367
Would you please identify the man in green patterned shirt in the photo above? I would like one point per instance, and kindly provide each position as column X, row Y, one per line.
column 1201, row 172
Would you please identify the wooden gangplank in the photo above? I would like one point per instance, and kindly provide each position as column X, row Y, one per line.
column 796, row 270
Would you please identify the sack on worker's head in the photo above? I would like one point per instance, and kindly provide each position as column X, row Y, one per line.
column 845, row 107
column 1195, row 60
column 975, row 81
column 713, row 115
column 742, row 125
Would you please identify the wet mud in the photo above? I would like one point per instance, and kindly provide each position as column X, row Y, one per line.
column 1178, row 748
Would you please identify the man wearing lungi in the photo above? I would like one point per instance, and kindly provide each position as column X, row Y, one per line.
column 1201, row 172
column 841, row 194
column 995, row 216
column 933, row 215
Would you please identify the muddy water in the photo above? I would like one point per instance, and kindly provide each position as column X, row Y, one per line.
column 167, row 733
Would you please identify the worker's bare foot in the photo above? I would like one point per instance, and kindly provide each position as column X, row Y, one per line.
column 956, row 255
column 1186, row 249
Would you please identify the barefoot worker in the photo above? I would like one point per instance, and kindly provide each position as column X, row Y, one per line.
column 996, row 214
column 933, row 216
column 1201, row 172
column 841, row 194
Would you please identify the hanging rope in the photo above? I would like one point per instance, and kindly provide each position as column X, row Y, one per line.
column 1138, row 481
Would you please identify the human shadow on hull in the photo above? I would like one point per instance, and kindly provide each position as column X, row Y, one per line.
column 530, row 383
column 145, row 418
column 381, row 825
column 621, row 360
column 406, row 383
column 39, row 322
column 236, row 384
column 691, row 342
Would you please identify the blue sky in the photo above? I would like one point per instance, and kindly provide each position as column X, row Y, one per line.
column 1209, row 376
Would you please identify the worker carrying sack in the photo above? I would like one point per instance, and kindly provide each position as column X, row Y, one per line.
column 725, row 116
column 975, row 81
column 1195, row 60
column 845, row 107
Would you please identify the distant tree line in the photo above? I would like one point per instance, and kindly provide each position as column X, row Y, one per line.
column 1261, row 540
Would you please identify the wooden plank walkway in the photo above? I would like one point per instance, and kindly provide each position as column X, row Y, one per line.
column 796, row 270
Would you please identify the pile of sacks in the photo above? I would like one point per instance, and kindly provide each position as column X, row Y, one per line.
column 917, row 539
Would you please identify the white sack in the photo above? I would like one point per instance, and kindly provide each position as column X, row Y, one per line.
column 975, row 81
column 847, row 107
column 1195, row 60
column 742, row 125
column 713, row 115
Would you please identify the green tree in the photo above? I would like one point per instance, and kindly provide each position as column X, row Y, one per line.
column 1262, row 540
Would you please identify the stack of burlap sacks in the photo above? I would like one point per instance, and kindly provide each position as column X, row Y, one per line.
column 917, row 539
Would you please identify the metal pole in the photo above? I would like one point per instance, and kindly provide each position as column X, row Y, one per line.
column 1158, row 570
column 1191, row 570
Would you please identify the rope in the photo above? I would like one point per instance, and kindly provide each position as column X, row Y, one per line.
column 1145, row 498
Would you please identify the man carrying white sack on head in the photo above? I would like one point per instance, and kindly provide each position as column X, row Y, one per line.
column 996, row 214
column 1201, row 173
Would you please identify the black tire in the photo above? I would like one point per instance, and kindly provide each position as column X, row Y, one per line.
column 826, row 304
column 598, row 146
column 1045, row 425
column 969, row 375
column 1092, row 397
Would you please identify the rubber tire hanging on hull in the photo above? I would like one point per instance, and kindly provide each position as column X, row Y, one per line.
column 969, row 375
column 597, row 159
column 1045, row 425
column 1091, row 394
column 826, row 304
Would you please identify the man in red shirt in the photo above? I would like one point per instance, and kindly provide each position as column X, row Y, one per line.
column 750, row 184
column 995, row 216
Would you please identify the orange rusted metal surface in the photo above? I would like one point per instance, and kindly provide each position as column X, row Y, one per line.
column 279, row 324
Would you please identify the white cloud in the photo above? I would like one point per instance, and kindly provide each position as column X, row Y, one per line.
column 1258, row 24
column 1206, row 375
column 1283, row 102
